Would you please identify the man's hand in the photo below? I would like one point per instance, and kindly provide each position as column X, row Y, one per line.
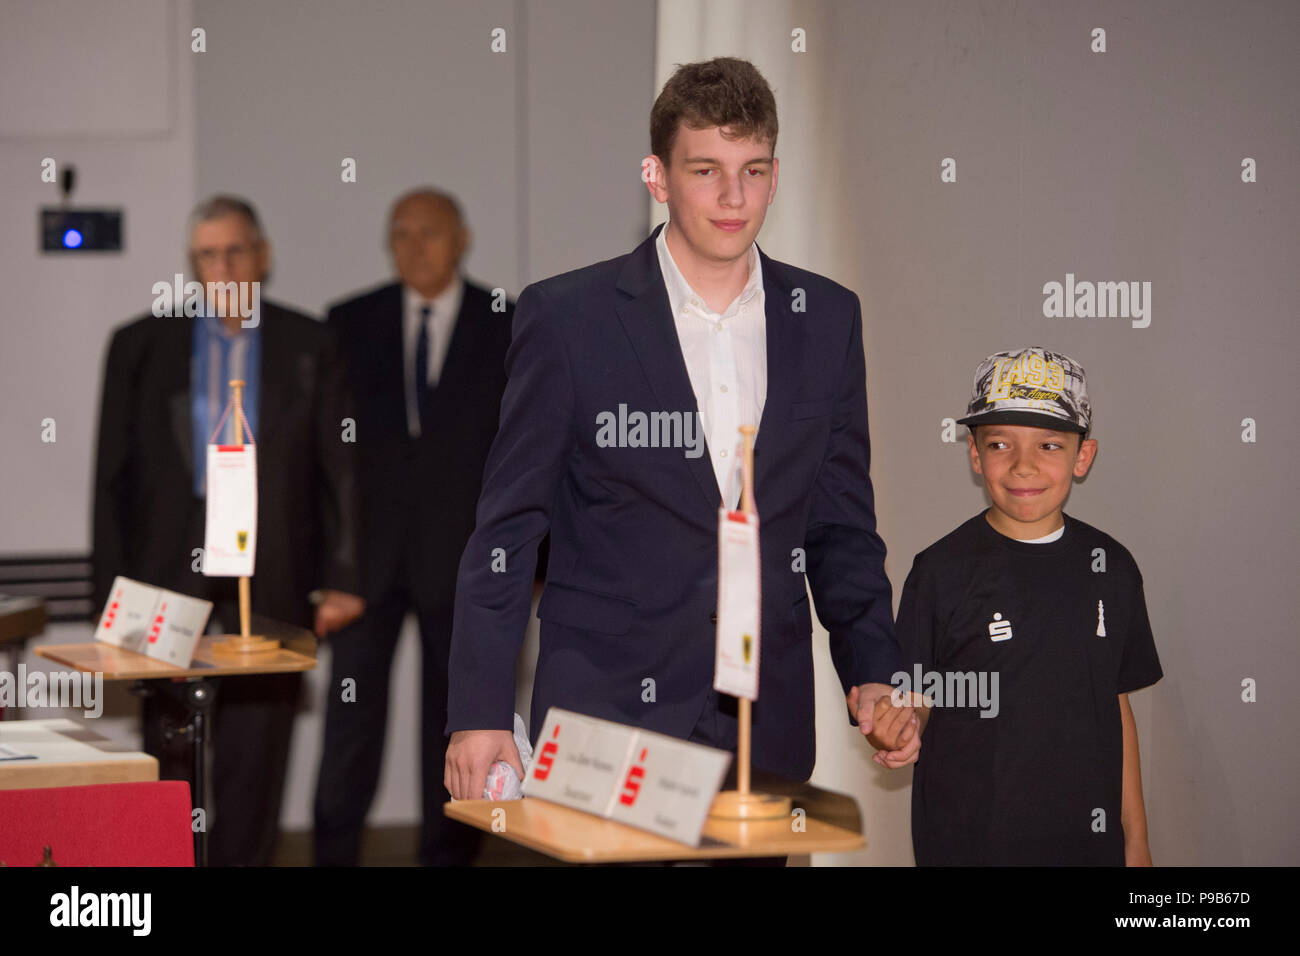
column 471, row 754
column 337, row 609
column 894, row 731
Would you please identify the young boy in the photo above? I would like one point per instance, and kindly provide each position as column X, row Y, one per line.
column 1046, row 616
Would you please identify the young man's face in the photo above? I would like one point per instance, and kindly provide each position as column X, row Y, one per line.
column 718, row 191
column 1027, row 473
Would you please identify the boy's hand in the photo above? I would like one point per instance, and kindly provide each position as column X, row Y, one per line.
column 895, row 732
column 888, row 723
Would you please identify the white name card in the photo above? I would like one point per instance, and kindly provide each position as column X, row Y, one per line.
column 153, row 621
column 735, row 669
column 230, row 535
column 638, row 777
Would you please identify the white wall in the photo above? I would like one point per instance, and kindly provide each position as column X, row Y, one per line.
column 108, row 89
column 285, row 91
column 1124, row 165
column 58, row 309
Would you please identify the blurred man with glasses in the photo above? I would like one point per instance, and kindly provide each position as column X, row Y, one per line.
column 166, row 384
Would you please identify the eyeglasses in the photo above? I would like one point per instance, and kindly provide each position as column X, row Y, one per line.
column 240, row 253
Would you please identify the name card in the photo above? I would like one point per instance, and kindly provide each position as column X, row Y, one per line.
column 735, row 669
column 638, row 777
column 230, row 533
column 153, row 621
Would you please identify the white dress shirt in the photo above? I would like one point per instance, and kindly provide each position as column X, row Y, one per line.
column 726, row 359
column 442, row 322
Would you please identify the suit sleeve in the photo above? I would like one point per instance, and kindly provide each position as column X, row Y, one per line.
column 846, row 557
column 524, row 469
column 336, row 474
column 918, row 628
column 111, row 516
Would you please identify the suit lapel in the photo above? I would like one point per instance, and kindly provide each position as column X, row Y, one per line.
column 182, row 427
column 457, row 362
column 648, row 321
column 783, row 353
column 177, row 367
column 275, row 395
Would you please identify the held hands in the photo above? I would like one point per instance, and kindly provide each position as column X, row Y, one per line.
column 895, row 731
column 470, row 755
column 336, row 610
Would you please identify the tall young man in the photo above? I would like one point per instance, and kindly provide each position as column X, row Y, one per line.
column 696, row 326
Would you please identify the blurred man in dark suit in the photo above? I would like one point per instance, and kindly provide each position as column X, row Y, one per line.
column 165, row 387
column 426, row 362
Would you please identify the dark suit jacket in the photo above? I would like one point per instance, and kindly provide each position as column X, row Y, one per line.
column 146, row 519
column 418, row 495
column 632, row 586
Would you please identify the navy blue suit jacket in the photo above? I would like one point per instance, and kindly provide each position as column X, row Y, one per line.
column 631, row 591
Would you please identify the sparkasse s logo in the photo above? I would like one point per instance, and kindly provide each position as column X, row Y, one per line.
column 546, row 759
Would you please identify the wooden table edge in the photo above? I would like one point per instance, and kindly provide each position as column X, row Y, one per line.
column 51, row 652
column 845, row 841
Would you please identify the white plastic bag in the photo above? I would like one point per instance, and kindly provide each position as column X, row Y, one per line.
column 503, row 783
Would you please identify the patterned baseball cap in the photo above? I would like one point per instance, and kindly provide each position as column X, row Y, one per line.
column 1030, row 386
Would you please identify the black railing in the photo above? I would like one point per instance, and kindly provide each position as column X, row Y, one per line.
column 62, row 580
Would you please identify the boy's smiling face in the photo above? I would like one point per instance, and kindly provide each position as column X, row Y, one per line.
column 1027, row 472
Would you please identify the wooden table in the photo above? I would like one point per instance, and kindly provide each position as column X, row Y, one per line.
column 115, row 663
column 67, row 755
column 832, row 824
column 297, row 652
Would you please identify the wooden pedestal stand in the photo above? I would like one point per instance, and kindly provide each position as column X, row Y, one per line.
column 742, row 803
column 244, row 643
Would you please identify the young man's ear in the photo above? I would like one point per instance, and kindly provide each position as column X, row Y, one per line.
column 655, row 176
column 1083, row 460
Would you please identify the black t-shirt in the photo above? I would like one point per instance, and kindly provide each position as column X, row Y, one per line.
column 1038, row 781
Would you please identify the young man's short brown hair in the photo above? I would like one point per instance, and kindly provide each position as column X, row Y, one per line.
column 725, row 92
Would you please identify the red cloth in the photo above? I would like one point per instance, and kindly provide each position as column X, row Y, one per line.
column 110, row 824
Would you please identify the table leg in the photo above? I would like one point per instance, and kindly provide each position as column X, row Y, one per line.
column 196, row 695
column 198, row 700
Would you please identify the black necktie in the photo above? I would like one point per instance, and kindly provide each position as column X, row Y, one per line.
column 422, row 362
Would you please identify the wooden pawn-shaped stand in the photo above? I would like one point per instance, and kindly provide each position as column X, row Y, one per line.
column 742, row 803
column 244, row 643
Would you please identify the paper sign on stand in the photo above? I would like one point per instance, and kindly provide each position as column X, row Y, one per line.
column 153, row 621
column 638, row 777
column 735, row 669
column 230, row 537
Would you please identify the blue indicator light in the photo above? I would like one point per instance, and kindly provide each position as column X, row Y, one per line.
column 71, row 239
